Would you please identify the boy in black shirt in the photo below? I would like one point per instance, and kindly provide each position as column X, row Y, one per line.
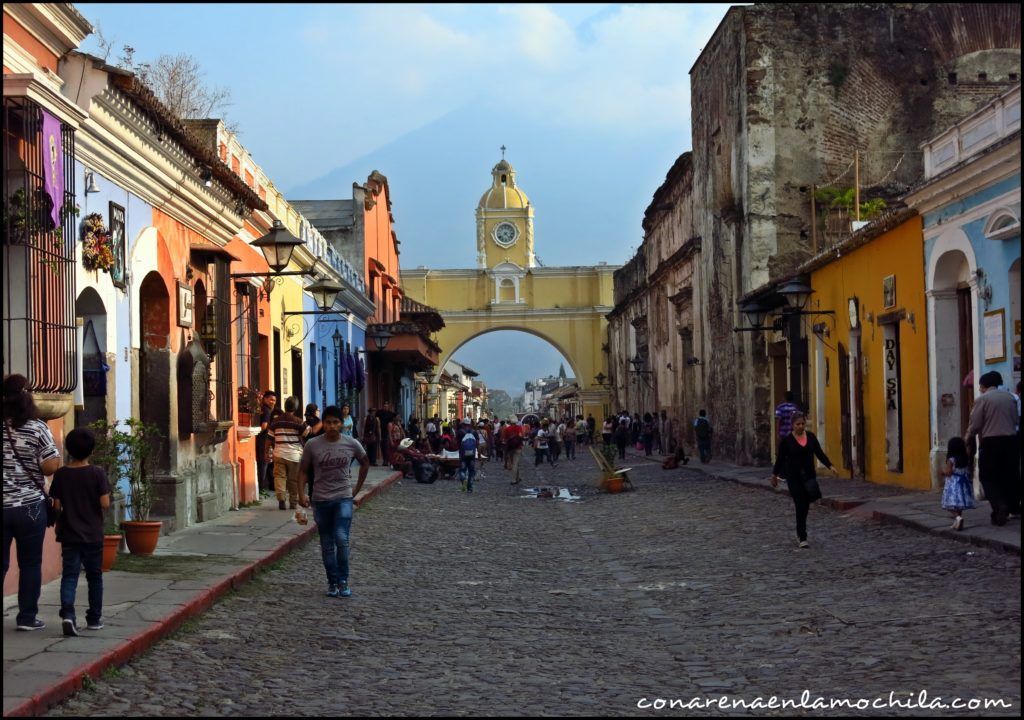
column 81, row 493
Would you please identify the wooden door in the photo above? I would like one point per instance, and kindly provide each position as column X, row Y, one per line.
column 966, row 334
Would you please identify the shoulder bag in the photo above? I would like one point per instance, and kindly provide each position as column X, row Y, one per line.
column 51, row 511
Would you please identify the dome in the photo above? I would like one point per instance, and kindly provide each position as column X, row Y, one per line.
column 503, row 193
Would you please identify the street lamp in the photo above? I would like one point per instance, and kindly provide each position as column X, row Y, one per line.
column 324, row 293
column 755, row 314
column 380, row 339
column 278, row 246
column 796, row 294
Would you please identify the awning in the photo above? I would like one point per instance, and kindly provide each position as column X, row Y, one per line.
column 208, row 247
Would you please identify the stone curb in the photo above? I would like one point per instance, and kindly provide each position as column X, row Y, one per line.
column 138, row 644
column 846, row 504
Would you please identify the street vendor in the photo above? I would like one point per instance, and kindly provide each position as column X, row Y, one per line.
column 414, row 463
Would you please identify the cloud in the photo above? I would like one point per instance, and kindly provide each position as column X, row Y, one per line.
column 625, row 67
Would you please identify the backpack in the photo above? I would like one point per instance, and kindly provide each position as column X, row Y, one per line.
column 468, row 445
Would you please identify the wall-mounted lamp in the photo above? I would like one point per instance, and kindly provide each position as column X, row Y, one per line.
column 90, row 182
column 694, row 361
column 206, row 175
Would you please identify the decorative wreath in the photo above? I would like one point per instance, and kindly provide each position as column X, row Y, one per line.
column 98, row 246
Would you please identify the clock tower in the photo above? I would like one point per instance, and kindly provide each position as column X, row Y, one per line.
column 504, row 223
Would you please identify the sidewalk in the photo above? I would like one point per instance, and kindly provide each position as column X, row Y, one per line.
column 917, row 509
column 189, row 572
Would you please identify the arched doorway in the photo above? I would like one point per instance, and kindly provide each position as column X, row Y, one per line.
column 953, row 311
column 97, row 382
column 155, row 362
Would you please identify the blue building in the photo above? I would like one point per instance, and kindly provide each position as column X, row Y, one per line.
column 970, row 202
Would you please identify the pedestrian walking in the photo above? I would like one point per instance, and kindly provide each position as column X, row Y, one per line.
column 348, row 424
column 607, row 428
column 265, row 444
column 994, row 420
column 958, row 490
column 314, row 428
column 328, row 459
column 80, row 493
column 794, row 462
column 286, row 431
column 514, row 443
column 540, row 444
column 784, row 416
column 371, row 435
column 386, row 415
column 467, row 459
column 703, row 430
column 554, row 442
column 569, row 439
column 647, row 433
column 591, row 428
column 622, row 437
column 30, row 454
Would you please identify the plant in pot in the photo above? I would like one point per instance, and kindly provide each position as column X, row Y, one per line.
column 125, row 454
column 111, row 538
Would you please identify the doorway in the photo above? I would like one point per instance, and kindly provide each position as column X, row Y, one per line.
column 155, row 363
column 297, row 373
column 97, row 382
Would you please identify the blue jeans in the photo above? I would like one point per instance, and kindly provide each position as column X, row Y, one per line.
column 334, row 521
column 704, row 448
column 75, row 556
column 467, row 472
column 27, row 525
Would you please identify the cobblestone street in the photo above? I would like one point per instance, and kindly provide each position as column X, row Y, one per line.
column 493, row 604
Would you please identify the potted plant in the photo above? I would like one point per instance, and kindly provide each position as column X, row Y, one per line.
column 111, row 540
column 124, row 454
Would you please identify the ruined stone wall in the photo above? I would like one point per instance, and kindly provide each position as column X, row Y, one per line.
column 781, row 97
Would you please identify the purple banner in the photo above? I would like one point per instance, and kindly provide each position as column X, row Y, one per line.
column 53, row 164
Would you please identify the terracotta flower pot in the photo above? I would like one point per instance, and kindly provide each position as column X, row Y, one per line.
column 141, row 535
column 111, row 544
column 613, row 484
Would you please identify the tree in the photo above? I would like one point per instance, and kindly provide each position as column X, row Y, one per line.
column 176, row 80
column 499, row 403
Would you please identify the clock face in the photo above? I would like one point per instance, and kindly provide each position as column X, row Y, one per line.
column 854, row 312
column 505, row 234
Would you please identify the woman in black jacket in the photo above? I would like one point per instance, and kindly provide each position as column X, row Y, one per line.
column 795, row 463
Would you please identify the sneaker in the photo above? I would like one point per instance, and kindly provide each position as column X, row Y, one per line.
column 345, row 590
column 69, row 627
column 36, row 624
column 333, row 591
column 281, row 505
column 804, row 544
column 958, row 524
column 97, row 625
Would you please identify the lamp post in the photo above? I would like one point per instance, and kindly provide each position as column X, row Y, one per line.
column 380, row 339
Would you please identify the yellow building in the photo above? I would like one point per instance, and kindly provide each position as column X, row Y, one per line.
column 869, row 402
column 509, row 291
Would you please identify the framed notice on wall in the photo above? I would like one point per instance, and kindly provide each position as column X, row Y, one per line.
column 184, row 305
column 889, row 292
column 117, row 273
column 995, row 336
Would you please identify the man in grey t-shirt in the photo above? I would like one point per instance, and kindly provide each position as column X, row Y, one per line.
column 329, row 459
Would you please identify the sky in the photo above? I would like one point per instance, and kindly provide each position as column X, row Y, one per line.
column 592, row 101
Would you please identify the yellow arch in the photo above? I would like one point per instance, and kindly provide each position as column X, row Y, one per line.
column 449, row 354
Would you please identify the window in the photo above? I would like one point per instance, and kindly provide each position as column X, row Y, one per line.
column 247, row 355
column 39, row 334
column 236, row 164
column 223, row 153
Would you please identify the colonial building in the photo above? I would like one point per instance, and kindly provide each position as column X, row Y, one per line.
column 866, row 397
column 787, row 97
column 655, row 330
column 40, row 335
column 159, row 313
column 970, row 202
column 397, row 335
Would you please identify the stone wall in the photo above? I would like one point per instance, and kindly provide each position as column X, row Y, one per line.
column 782, row 96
